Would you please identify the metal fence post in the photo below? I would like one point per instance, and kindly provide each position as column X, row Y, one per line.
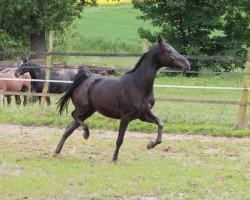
column 244, row 96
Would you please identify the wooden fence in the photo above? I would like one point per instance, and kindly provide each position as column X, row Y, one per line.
column 243, row 103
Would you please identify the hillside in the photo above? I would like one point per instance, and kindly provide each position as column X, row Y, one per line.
column 108, row 29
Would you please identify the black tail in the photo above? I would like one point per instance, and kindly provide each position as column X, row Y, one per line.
column 63, row 102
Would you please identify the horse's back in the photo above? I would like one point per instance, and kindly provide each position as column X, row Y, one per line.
column 61, row 75
column 11, row 85
column 2, row 82
column 103, row 94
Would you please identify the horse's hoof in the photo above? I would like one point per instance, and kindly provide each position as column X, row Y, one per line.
column 151, row 145
column 55, row 155
column 85, row 136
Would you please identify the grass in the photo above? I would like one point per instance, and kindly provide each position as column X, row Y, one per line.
column 108, row 29
column 185, row 118
column 116, row 26
column 176, row 169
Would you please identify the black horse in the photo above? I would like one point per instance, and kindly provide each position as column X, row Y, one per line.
column 127, row 99
column 38, row 72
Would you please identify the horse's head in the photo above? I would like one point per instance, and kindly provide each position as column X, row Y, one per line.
column 169, row 57
column 23, row 67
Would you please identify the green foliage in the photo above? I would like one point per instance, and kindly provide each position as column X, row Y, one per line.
column 21, row 18
column 28, row 16
column 8, row 43
column 199, row 27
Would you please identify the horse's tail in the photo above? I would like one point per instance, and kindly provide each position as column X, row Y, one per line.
column 80, row 77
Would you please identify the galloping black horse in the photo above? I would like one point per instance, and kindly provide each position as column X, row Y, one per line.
column 38, row 72
column 128, row 98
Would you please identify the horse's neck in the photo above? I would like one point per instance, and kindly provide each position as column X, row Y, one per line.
column 144, row 75
column 37, row 73
column 9, row 73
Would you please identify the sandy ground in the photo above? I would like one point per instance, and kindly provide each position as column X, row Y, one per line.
column 113, row 134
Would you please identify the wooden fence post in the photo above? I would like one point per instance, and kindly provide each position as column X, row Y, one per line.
column 47, row 73
column 1, row 98
column 244, row 96
column 145, row 46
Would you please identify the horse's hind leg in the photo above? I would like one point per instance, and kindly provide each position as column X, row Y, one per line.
column 80, row 117
column 8, row 99
column 24, row 100
column 68, row 131
column 48, row 101
column 149, row 117
column 18, row 100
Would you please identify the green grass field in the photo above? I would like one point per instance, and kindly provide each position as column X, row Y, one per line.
column 114, row 29
column 185, row 118
column 109, row 29
column 185, row 166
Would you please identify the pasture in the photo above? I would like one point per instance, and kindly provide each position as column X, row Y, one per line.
column 185, row 118
column 189, row 164
column 182, row 167
column 107, row 29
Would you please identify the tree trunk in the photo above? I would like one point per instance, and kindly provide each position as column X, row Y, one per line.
column 37, row 44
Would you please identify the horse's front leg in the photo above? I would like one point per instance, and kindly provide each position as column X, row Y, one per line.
column 122, row 129
column 149, row 117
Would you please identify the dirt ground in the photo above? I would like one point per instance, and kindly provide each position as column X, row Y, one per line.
column 216, row 163
column 113, row 134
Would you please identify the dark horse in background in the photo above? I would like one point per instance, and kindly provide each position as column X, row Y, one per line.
column 38, row 72
column 127, row 99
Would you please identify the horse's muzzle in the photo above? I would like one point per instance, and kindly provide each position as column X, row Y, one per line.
column 17, row 74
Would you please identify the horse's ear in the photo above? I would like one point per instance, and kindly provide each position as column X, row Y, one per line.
column 161, row 40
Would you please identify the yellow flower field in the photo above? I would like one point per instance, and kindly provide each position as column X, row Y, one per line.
column 112, row 2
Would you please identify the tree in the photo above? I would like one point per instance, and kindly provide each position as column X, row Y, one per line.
column 199, row 26
column 29, row 20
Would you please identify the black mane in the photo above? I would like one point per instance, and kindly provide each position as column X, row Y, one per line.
column 31, row 64
column 138, row 63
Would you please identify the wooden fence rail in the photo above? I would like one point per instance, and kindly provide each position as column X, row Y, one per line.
column 245, row 87
column 199, row 101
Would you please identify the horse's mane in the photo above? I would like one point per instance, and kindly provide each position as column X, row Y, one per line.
column 32, row 64
column 138, row 63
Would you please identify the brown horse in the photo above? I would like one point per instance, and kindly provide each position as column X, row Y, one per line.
column 14, row 86
column 127, row 99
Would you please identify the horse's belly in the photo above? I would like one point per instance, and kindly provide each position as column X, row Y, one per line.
column 108, row 108
column 13, row 86
column 111, row 113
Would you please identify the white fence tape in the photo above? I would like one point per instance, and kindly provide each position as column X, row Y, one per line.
column 156, row 85
column 201, row 87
